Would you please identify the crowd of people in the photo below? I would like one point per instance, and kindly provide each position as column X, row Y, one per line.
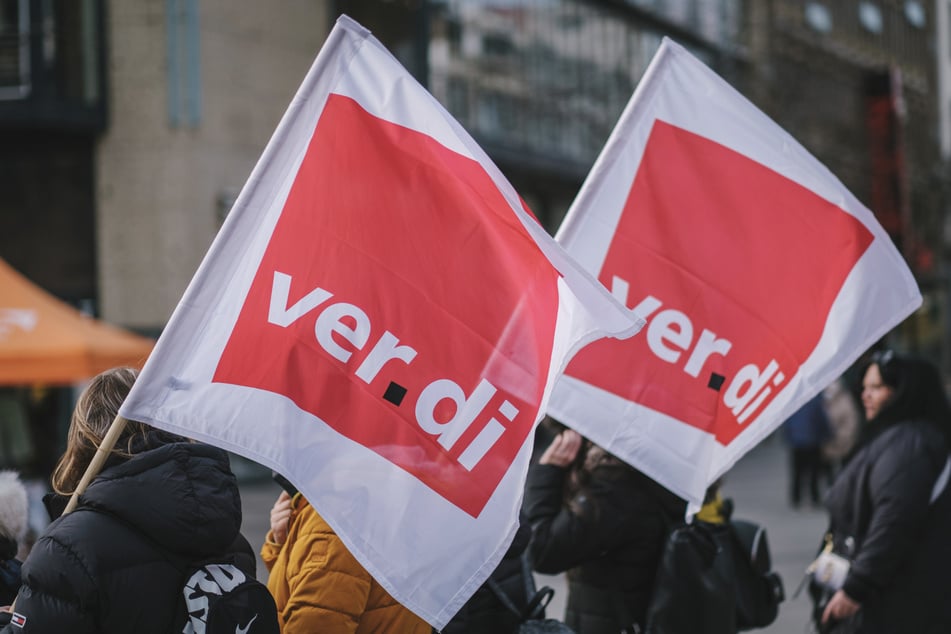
column 115, row 564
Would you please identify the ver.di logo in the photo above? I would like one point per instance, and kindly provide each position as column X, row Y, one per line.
column 734, row 266
column 402, row 303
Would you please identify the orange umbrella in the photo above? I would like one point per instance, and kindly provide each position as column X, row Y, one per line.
column 44, row 340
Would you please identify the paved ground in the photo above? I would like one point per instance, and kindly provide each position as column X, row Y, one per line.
column 758, row 485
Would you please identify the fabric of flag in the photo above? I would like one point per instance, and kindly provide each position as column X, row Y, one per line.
column 381, row 321
column 760, row 276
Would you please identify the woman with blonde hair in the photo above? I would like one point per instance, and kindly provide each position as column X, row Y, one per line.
column 112, row 564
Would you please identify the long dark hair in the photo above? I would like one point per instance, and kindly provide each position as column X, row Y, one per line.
column 918, row 392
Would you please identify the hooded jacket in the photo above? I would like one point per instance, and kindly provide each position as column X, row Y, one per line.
column 104, row 567
column 608, row 539
column 319, row 586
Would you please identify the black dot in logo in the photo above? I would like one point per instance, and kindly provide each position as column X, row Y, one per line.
column 716, row 381
column 395, row 393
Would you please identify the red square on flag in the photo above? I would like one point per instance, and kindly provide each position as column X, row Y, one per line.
column 735, row 268
column 401, row 302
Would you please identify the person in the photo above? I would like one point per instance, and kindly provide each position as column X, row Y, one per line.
column 105, row 567
column 604, row 523
column 318, row 585
column 844, row 417
column 485, row 611
column 13, row 525
column 890, row 515
column 806, row 431
column 718, row 563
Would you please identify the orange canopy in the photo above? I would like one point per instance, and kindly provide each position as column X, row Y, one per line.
column 44, row 340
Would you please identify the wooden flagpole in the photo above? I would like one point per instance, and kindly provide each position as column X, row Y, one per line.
column 95, row 465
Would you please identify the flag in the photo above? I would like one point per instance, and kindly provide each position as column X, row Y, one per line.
column 381, row 321
column 760, row 276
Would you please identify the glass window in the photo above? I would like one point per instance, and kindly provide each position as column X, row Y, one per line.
column 545, row 78
column 915, row 14
column 14, row 49
column 870, row 17
column 184, row 62
column 818, row 17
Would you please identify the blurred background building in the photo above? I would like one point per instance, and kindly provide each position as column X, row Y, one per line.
column 128, row 128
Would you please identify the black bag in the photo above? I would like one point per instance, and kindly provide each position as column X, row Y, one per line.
column 759, row 590
column 691, row 594
column 219, row 598
column 532, row 615
column 712, row 579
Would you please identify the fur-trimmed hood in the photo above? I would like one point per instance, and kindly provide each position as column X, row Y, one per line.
column 13, row 506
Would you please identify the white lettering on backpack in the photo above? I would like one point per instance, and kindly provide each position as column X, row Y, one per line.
column 209, row 580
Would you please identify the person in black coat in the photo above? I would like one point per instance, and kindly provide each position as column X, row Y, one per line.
column 604, row 523
column 485, row 611
column 888, row 512
column 13, row 527
column 105, row 567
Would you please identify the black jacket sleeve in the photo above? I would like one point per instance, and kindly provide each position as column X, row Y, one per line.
column 563, row 538
column 899, row 485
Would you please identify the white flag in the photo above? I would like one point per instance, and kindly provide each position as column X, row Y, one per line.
column 760, row 276
column 380, row 321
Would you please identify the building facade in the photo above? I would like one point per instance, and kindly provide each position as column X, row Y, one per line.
column 52, row 110
column 129, row 127
column 541, row 83
column 856, row 82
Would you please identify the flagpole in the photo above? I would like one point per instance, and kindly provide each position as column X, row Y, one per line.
column 95, row 465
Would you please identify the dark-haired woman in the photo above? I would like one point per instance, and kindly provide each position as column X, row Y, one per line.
column 889, row 513
column 108, row 566
column 604, row 523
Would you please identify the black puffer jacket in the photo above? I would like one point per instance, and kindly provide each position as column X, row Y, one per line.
column 609, row 542
column 104, row 570
column 902, row 544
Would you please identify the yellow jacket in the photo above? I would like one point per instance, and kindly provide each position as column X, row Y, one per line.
column 320, row 587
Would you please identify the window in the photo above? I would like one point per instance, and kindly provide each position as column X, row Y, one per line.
column 818, row 17
column 870, row 17
column 14, row 49
column 184, row 69
column 915, row 14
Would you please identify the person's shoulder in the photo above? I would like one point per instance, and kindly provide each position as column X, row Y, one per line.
column 310, row 521
column 910, row 441
column 911, row 434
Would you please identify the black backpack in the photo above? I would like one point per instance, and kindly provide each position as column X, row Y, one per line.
column 219, row 595
column 713, row 579
column 219, row 598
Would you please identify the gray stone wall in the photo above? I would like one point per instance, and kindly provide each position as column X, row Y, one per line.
column 162, row 187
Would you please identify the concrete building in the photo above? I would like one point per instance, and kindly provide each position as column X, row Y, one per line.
column 129, row 127
column 195, row 93
column 943, row 64
column 855, row 82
